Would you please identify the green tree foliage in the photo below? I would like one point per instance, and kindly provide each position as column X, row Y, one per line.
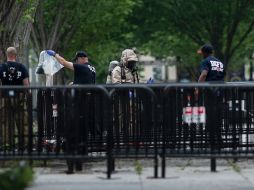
column 16, row 17
column 179, row 27
column 226, row 24
column 95, row 26
column 102, row 36
column 105, row 27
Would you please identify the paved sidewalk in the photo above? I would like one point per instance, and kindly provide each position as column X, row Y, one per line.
column 190, row 174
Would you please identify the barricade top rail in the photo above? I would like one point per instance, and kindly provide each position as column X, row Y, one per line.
column 59, row 87
column 159, row 85
column 89, row 86
column 146, row 88
column 204, row 85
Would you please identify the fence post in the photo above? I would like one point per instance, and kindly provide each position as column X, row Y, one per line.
column 110, row 137
column 213, row 164
column 212, row 125
column 30, row 120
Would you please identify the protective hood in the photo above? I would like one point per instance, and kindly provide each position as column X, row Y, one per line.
column 128, row 55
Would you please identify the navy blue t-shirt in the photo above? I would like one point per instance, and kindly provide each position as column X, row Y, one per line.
column 13, row 73
column 84, row 74
column 215, row 68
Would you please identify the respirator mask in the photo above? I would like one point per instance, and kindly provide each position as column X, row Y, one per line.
column 132, row 65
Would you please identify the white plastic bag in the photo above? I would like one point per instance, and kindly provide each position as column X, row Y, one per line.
column 49, row 64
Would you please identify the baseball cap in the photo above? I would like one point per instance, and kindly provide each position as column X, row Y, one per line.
column 80, row 54
column 207, row 48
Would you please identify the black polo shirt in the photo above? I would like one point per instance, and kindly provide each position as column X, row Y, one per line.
column 13, row 73
column 215, row 68
column 84, row 74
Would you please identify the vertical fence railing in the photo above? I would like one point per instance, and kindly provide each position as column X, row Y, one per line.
column 15, row 124
column 135, row 133
column 67, row 122
column 127, row 121
column 215, row 122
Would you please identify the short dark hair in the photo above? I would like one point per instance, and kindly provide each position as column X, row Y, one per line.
column 207, row 48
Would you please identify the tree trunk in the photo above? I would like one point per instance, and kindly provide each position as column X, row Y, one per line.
column 16, row 20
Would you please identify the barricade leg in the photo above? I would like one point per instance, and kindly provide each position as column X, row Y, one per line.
column 213, row 124
column 213, row 164
column 109, row 166
column 163, row 166
column 156, row 166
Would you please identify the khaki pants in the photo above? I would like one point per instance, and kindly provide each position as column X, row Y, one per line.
column 13, row 123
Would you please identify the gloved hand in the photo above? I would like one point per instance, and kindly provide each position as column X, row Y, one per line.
column 150, row 81
column 51, row 52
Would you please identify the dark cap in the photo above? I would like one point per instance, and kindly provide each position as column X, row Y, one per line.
column 80, row 54
column 207, row 48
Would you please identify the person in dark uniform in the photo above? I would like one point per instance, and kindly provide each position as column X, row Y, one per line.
column 12, row 72
column 212, row 70
column 14, row 119
column 84, row 73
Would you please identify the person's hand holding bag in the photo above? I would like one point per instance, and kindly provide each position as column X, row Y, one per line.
column 51, row 53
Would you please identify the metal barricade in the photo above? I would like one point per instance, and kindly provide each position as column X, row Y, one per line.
column 68, row 122
column 134, row 133
column 207, row 121
column 15, row 122
column 76, row 123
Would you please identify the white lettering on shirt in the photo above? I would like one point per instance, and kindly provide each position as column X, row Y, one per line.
column 217, row 66
column 91, row 68
column 19, row 74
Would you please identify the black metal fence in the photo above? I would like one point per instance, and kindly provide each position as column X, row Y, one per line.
column 128, row 121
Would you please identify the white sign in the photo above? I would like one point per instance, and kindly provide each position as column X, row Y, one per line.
column 194, row 115
column 54, row 108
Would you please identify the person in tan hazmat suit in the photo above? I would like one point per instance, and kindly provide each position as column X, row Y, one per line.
column 126, row 72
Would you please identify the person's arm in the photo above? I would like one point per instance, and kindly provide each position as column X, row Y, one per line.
column 65, row 63
column 25, row 75
column 25, row 82
column 202, row 76
column 60, row 59
column 116, row 75
column 204, row 68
